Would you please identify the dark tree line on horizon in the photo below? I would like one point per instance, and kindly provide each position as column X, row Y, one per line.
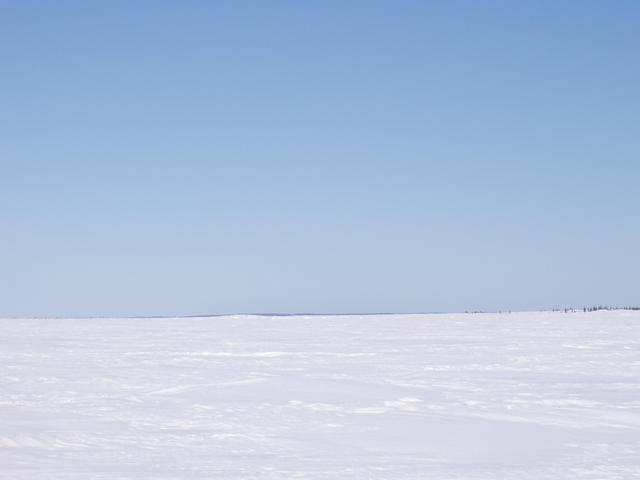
column 594, row 308
column 606, row 307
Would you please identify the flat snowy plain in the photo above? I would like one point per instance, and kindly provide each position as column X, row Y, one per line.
column 481, row 396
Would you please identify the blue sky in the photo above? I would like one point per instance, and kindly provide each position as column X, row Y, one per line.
column 210, row 157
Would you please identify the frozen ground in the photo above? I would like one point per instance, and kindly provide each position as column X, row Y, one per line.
column 511, row 396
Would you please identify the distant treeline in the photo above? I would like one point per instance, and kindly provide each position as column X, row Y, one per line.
column 595, row 308
column 607, row 307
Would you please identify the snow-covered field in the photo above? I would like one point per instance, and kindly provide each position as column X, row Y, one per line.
column 486, row 396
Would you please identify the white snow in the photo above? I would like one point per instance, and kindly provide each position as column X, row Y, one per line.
column 478, row 396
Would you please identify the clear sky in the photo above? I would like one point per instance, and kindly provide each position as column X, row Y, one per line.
column 193, row 157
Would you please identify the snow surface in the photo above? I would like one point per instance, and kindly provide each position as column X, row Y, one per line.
column 484, row 396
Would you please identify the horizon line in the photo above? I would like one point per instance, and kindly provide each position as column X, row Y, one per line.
column 320, row 314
